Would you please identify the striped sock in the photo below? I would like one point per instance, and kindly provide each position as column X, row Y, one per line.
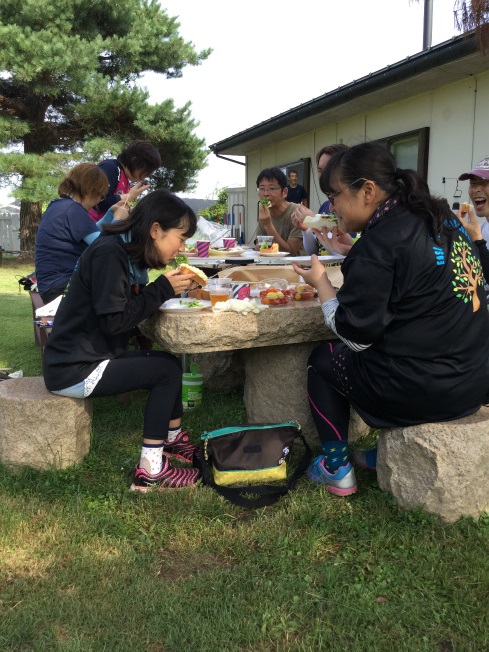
column 151, row 459
column 335, row 455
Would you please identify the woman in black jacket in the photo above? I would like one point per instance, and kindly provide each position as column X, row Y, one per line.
column 407, row 316
column 86, row 353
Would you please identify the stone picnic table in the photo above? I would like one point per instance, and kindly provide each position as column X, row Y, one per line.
column 274, row 346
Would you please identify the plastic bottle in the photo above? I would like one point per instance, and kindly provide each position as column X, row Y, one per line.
column 192, row 385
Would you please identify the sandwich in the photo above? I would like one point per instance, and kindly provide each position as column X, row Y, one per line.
column 318, row 221
column 198, row 275
column 267, row 248
column 265, row 202
column 465, row 207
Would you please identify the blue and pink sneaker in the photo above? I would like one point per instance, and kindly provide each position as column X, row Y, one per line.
column 366, row 459
column 340, row 483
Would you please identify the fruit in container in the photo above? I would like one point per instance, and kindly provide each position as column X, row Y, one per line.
column 275, row 297
column 303, row 292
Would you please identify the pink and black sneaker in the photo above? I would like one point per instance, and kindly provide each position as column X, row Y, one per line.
column 170, row 477
column 181, row 448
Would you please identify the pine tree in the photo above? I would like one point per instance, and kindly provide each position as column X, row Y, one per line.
column 69, row 92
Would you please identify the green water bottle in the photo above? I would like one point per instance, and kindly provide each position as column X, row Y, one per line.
column 192, row 385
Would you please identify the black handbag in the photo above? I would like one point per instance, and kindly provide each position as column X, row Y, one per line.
column 241, row 462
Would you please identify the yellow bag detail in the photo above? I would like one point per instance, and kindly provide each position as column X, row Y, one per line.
column 259, row 475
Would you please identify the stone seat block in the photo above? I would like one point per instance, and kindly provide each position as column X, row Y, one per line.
column 39, row 429
column 440, row 467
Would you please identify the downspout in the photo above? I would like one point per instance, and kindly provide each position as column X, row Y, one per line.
column 427, row 24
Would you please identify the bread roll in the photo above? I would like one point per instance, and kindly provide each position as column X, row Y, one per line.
column 318, row 221
column 199, row 275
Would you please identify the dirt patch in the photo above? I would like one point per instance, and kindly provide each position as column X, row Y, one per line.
column 173, row 567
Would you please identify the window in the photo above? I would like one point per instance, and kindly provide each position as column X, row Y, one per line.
column 303, row 169
column 410, row 150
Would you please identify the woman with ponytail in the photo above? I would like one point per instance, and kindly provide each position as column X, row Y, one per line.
column 407, row 317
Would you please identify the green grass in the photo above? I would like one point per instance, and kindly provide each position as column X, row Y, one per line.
column 87, row 566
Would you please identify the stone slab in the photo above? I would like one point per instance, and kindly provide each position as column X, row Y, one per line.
column 39, row 429
column 440, row 467
column 207, row 331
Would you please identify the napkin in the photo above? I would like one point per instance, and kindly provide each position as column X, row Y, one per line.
column 49, row 310
column 242, row 306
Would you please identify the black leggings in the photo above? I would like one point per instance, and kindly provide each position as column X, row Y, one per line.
column 326, row 394
column 157, row 371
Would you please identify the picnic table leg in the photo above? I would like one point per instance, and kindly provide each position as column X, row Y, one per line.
column 276, row 386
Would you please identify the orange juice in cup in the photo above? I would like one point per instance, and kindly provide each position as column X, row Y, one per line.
column 219, row 289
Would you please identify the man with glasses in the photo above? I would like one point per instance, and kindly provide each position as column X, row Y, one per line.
column 275, row 219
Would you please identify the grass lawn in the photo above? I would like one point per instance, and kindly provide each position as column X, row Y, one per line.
column 87, row 566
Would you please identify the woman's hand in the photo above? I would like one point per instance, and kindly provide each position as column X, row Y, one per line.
column 340, row 243
column 180, row 282
column 120, row 210
column 298, row 216
column 471, row 224
column 135, row 191
column 317, row 277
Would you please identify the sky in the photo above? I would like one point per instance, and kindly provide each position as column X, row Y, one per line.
column 269, row 58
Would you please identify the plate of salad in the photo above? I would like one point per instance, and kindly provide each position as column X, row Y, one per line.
column 178, row 305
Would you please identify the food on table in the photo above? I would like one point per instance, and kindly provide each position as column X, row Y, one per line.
column 302, row 292
column 265, row 202
column 189, row 249
column 465, row 207
column 268, row 248
column 192, row 304
column 219, row 251
column 199, row 293
column 275, row 297
column 320, row 220
column 199, row 275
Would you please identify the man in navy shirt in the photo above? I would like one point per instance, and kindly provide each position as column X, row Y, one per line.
column 296, row 193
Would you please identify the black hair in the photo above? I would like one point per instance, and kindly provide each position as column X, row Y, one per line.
column 272, row 173
column 372, row 161
column 140, row 155
column 160, row 206
column 292, row 172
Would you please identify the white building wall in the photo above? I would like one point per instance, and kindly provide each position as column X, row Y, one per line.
column 457, row 115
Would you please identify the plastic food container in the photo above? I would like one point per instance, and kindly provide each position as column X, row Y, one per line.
column 302, row 292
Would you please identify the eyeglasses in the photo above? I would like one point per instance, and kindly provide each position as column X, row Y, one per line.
column 332, row 195
column 271, row 189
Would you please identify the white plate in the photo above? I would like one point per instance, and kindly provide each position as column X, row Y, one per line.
column 278, row 254
column 178, row 305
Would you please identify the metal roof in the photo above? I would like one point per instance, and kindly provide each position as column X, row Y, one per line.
column 445, row 63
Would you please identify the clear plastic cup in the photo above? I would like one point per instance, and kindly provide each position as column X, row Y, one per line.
column 219, row 289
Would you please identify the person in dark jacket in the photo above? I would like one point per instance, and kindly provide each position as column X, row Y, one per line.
column 86, row 353
column 134, row 164
column 407, row 316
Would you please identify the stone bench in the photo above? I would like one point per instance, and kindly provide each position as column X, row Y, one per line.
column 442, row 468
column 39, row 429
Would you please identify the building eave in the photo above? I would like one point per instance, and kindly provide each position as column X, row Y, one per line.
column 452, row 60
